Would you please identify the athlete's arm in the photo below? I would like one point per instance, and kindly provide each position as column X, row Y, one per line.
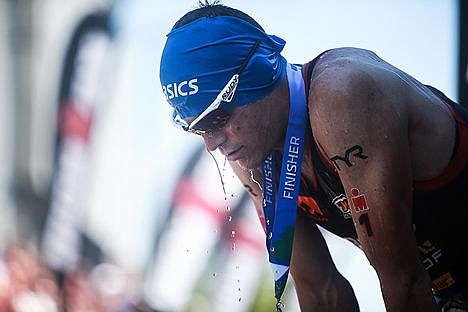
column 363, row 130
column 319, row 285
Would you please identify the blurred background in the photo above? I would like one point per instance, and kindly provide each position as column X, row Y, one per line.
column 104, row 206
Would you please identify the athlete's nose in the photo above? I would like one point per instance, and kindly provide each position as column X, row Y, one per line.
column 213, row 139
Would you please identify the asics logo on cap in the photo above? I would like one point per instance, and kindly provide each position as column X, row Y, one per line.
column 183, row 88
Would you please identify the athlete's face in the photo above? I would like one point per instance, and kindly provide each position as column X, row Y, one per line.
column 250, row 133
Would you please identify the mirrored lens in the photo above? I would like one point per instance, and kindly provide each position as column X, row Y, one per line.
column 178, row 121
column 217, row 119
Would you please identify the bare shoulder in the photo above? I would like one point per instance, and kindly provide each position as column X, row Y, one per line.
column 355, row 96
column 354, row 91
column 353, row 73
column 359, row 74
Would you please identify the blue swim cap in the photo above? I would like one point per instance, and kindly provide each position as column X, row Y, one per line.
column 199, row 58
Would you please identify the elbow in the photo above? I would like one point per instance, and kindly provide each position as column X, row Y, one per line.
column 403, row 279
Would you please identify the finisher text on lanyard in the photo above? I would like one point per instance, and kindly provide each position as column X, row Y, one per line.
column 280, row 222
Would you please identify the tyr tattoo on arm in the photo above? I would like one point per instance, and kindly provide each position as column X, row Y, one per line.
column 356, row 151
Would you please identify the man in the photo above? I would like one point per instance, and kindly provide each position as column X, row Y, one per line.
column 364, row 150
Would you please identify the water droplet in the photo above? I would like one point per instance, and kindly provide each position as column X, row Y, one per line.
column 239, row 289
column 237, row 267
column 217, row 210
column 233, row 233
column 270, row 235
column 230, row 218
column 272, row 249
column 187, row 250
column 214, row 274
column 233, row 246
column 240, row 299
column 228, row 208
column 253, row 179
column 219, row 173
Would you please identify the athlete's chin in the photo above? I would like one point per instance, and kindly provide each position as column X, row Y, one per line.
column 248, row 163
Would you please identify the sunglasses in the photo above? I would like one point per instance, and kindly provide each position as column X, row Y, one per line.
column 214, row 117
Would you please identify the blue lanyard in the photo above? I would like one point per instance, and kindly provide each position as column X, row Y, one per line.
column 280, row 222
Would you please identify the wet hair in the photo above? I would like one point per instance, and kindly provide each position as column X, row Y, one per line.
column 207, row 9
